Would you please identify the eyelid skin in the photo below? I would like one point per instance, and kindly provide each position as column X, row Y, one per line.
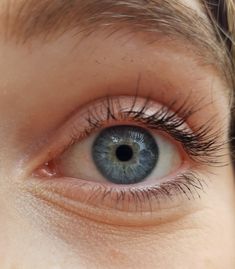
column 93, row 200
column 125, row 205
column 164, row 72
column 140, row 111
column 83, row 122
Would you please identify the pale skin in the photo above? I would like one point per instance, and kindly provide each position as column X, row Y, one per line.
column 40, row 86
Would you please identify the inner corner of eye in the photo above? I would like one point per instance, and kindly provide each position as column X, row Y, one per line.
column 47, row 169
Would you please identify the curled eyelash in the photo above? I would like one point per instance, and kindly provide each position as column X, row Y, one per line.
column 203, row 144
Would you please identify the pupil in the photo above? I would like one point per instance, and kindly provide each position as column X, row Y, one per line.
column 124, row 153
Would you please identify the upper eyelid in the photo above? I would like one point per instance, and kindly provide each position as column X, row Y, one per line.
column 208, row 145
column 203, row 136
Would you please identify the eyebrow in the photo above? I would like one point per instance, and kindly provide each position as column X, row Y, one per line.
column 29, row 19
column 46, row 20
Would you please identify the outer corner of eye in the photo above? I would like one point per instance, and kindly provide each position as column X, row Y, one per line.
column 43, row 166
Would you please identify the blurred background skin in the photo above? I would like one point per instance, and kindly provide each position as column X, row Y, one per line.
column 41, row 82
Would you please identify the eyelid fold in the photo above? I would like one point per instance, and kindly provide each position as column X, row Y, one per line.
column 199, row 143
column 114, row 110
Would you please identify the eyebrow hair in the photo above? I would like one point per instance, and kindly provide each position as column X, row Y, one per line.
column 27, row 20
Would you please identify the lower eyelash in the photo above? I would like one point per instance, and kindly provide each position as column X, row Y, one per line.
column 133, row 199
column 187, row 185
column 203, row 145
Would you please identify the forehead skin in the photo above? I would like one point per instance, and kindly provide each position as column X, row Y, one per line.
column 43, row 81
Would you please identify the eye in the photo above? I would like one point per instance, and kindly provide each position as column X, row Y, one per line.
column 121, row 154
column 125, row 154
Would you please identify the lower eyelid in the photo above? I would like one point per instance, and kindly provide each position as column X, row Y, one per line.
column 127, row 205
column 82, row 199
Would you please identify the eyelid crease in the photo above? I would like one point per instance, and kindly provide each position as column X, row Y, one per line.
column 202, row 143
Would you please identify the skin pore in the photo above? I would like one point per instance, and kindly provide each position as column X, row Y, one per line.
column 45, row 84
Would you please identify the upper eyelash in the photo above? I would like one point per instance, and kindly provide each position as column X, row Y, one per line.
column 203, row 144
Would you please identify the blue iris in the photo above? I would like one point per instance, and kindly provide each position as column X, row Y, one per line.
column 125, row 154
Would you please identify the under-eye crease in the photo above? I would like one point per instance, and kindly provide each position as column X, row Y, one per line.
column 199, row 146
